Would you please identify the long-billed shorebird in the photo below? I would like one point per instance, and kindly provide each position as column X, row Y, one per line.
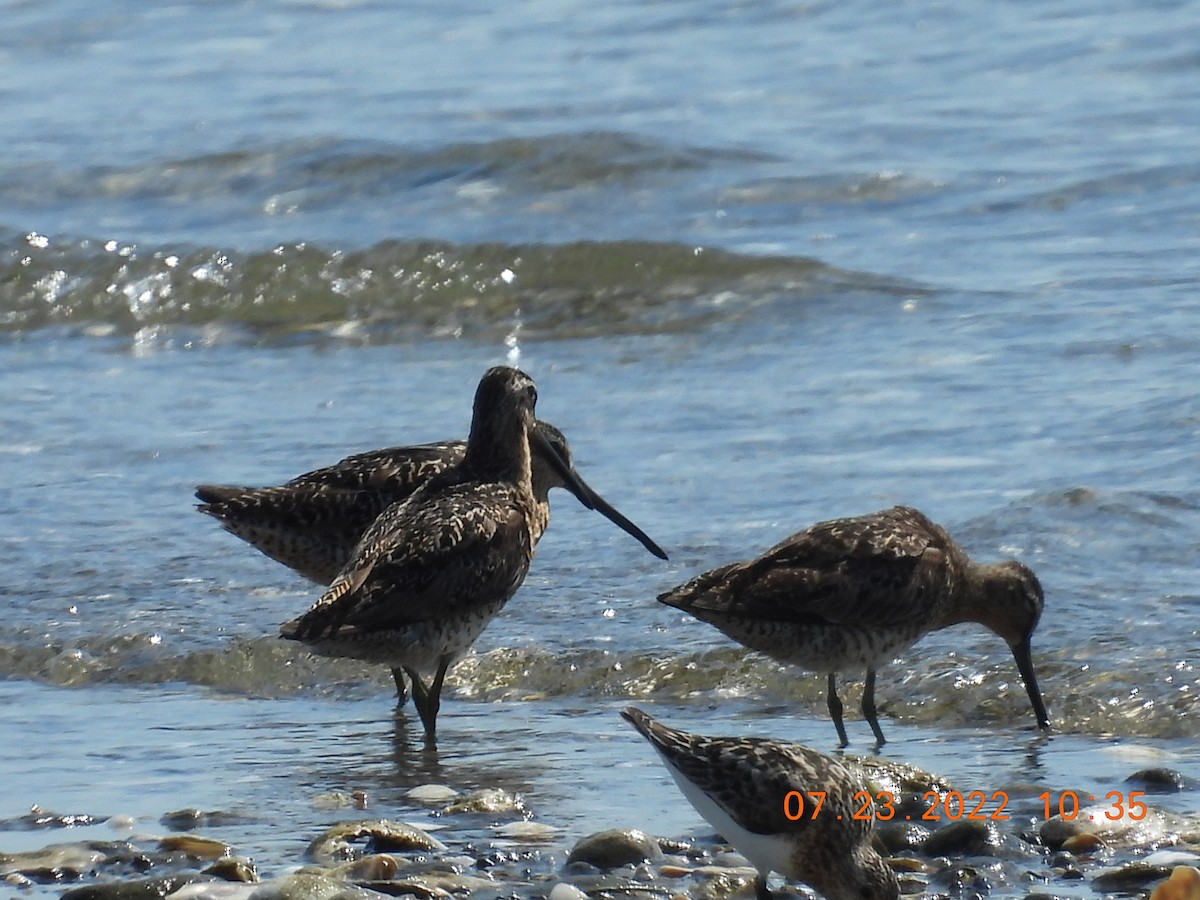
column 852, row 593
column 312, row 523
column 432, row 570
column 785, row 807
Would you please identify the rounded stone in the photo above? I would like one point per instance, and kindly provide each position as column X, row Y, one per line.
column 564, row 891
column 968, row 836
column 615, row 848
column 1158, row 780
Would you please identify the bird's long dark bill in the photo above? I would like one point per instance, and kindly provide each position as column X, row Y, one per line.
column 590, row 498
column 1024, row 657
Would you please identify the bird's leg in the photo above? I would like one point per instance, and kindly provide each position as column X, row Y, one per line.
column 868, row 707
column 835, row 709
column 761, row 891
column 401, row 687
column 429, row 700
column 419, row 691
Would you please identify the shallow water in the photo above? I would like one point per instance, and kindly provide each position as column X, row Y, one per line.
column 768, row 264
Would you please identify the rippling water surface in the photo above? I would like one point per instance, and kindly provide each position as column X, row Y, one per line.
column 768, row 264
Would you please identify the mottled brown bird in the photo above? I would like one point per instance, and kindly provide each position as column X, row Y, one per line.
column 432, row 570
column 741, row 787
column 852, row 593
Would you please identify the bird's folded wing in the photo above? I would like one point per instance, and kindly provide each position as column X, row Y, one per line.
column 425, row 561
column 389, row 469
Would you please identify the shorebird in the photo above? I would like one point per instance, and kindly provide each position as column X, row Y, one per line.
column 854, row 592
column 312, row 523
column 432, row 570
column 741, row 787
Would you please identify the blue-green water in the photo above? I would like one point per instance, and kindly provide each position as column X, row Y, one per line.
column 768, row 264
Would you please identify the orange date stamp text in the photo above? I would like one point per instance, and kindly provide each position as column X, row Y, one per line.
column 972, row 805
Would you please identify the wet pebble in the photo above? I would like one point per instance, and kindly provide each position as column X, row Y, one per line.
column 442, row 883
column 564, row 891
column 968, row 837
column 417, row 889
column 721, row 882
column 194, row 845
column 613, row 885
column 614, row 848
column 233, row 868
column 39, row 817
column 1153, row 826
column 54, row 862
column 488, row 800
column 527, row 831
column 1084, row 843
column 1158, row 781
column 1133, row 876
column 340, row 800
column 376, row 867
column 431, row 793
column 899, row 837
column 191, row 818
column 134, row 889
column 301, row 885
column 336, row 844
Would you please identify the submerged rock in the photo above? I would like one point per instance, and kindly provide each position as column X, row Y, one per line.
column 1129, row 878
column 37, row 817
column 1150, row 827
column 564, row 891
column 137, row 889
column 378, row 867
column 233, row 868
column 191, row 818
column 298, row 886
column 1084, row 843
column 968, row 837
column 1158, row 780
column 431, row 793
column 615, row 848
column 197, row 846
column 529, row 832
column 383, row 835
column 340, row 800
column 487, row 800
column 53, row 862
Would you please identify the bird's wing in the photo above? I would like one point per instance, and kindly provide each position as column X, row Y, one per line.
column 398, row 470
column 750, row 779
column 426, row 559
column 300, row 506
column 867, row 570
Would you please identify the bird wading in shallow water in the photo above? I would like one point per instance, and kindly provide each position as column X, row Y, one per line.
column 432, row 570
column 741, row 787
column 852, row 593
column 312, row 523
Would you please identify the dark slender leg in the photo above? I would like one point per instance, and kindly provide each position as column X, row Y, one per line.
column 401, row 688
column 428, row 700
column 835, row 709
column 418, row 687
column 868, row 707
column 761, row 891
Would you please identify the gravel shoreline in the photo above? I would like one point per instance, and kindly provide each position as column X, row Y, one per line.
column 484, row 844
